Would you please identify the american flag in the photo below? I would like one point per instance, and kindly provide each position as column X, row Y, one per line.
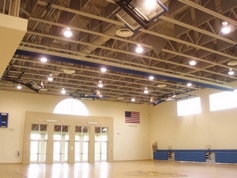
column 132, row 117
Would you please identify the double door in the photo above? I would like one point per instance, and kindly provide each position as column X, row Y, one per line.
column 54, row 143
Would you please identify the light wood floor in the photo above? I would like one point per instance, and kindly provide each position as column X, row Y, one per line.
column 133, row 169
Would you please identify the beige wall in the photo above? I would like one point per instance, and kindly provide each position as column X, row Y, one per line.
column 12, row 30
column 130, row 142
column 218, row 129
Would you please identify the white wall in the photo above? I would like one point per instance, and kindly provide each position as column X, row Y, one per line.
column 218, row 129
column 130, row 142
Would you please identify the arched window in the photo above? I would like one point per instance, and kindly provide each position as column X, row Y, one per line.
column 71, row 106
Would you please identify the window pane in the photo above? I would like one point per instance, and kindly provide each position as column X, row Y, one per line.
column 65, row 128
column 42, row 147
column 42, row 157
column 34, row 136
column 57, row 136
column 85, row 147
column 104, row 147
column 34, row 147
column 97, row 157
column 77, row 147
column 43, row 132
column 97, row 147
column 64, row 157
column 43, row 127
column 223, row 100
column 56, row 147
column 35, row 127
column 56, row 157
column 103, row 157
column 57, row 128
column 189, row 107
column 84, row 157
column 64, row 147
column 86, row 133
column 33, row 157
column 77, row 157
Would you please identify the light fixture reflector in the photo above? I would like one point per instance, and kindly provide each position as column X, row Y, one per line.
column 50, row 77
column 189, row 84
column 146, row 90
column 67, row 32
column 103, row 69
column 19, row 87
column 43, row 59
column 139, row 49
column 231, row 72
column 100, row 84
column 151, row 77
column 192, row 63
column 63, row 91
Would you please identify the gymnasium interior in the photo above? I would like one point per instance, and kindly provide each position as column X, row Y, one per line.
column 118, row 88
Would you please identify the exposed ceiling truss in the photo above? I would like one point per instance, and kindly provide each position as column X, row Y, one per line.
column 191, row 30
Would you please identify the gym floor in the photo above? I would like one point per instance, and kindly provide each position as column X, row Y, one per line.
column 129, row 169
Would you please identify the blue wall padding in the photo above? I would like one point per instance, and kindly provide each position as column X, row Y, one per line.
column 221, row 156
column 190, row 155
column 228, row 156
column 160, row 155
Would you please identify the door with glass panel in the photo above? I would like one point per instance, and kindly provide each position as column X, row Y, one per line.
column 81, row 143
column 101, row 143
column 38, row 143
column 60, row 143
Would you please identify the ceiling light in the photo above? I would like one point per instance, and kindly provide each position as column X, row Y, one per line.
column 100, row 84
column 189, row 84
column 192, row 63
column 43, row 59
column 231, row 72
column 139, row 13
column 120, row 98
column 50, row 77
column 19, row 87
column 67, row 32
column 161, row 85
column 63, row 91
column 151, row 78
column 139, row 49
column 232, row 63
column 103, row 69
column 225, row 29
column 69, row 71
column 146, row 91
column 133, row 99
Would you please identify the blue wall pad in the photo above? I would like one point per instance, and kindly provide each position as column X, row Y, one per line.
column 190, row 155
column 227, row 156
column 160, row 155
column 221, row 156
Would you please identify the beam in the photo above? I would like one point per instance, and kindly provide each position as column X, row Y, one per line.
column 122, row 68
